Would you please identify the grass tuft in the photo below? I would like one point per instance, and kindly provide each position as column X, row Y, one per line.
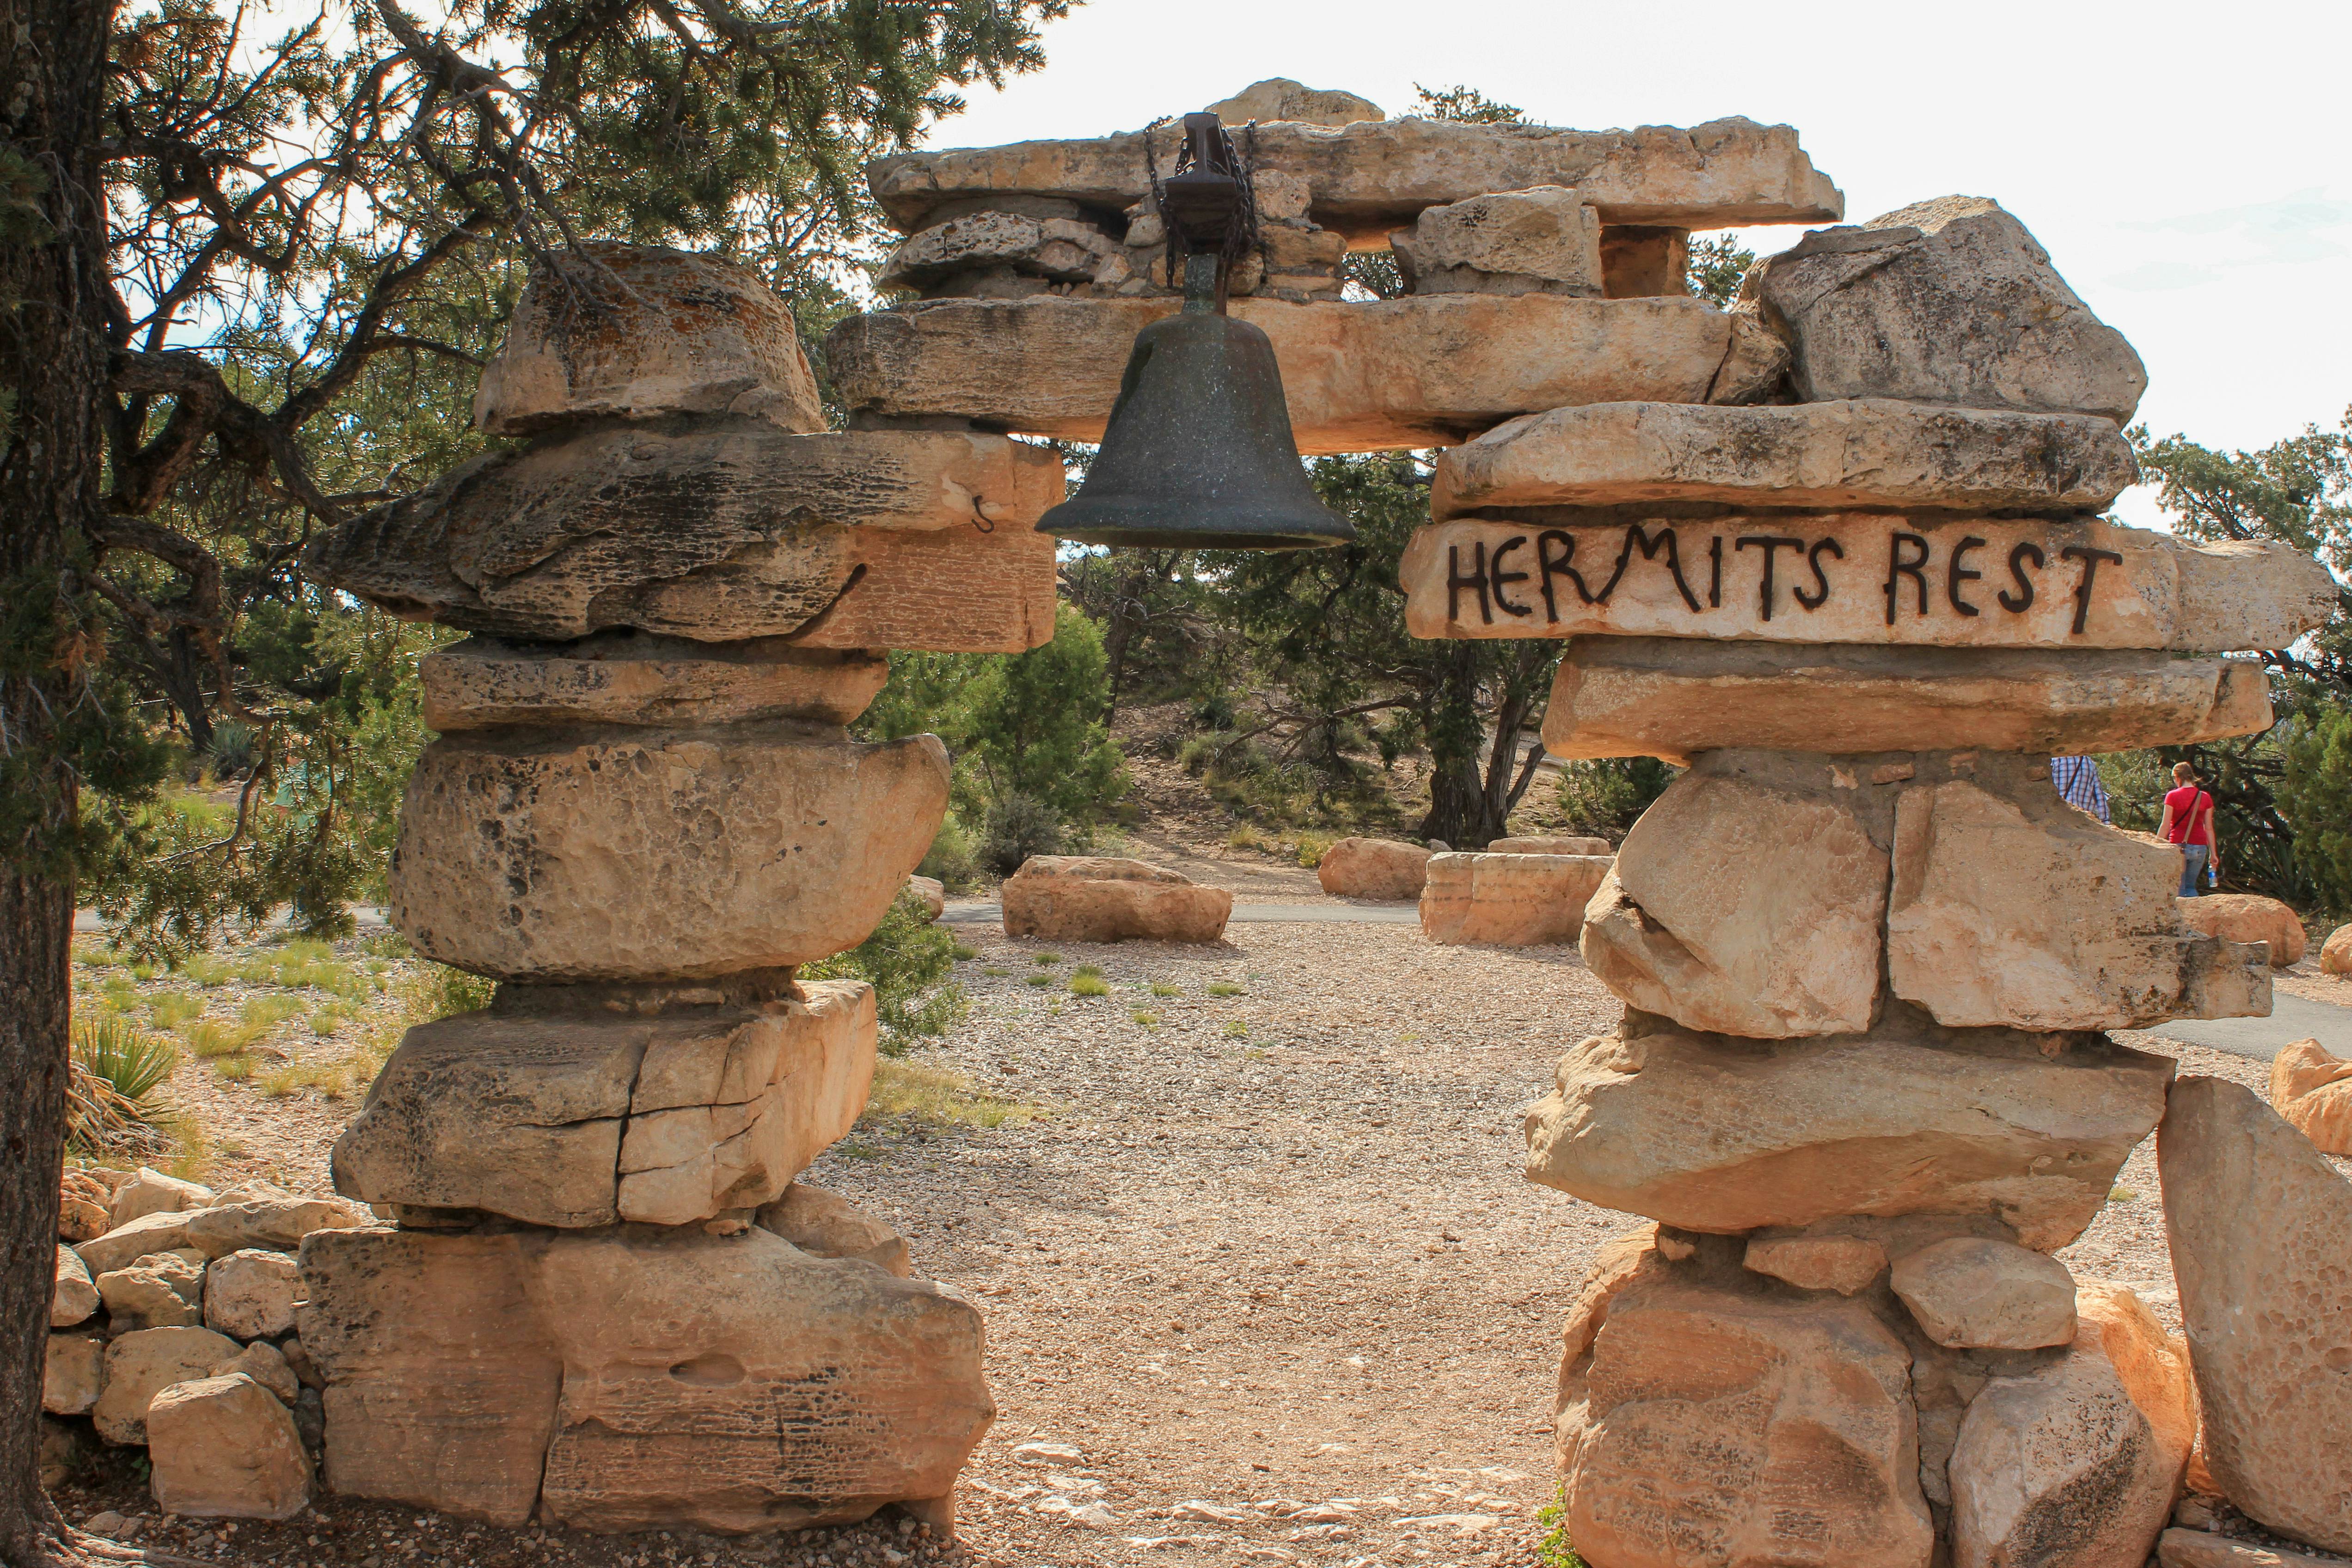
column 1088, row 985
column 1045, row 958
column 1226, row 989
column 935, row 1096
column 1159, row 989
column 1149, row 1020
column 1041, row 981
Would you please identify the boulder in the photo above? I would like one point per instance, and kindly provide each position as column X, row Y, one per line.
column 2248, row 917
column 1366, row 177
column 74, row 1373
column 1855, row 452
column 719, row 533
column 638, row 331
column 441, row 1384
column 1539, row 241
column 2059, row 1465
column 1085, row 897
column 2201, row 1549
column 2336, row 953
column 76, row 1296
column 1741, row 905
column 1511, row 900
column 573, row 1120
column 1946, row 301
column 1974, row 1293
column 223, row 1448
column 161, row 1291
column 141, row 1364
column 1845, row 1264
column 1959, row 581
column 1373, row 868
column 267, row 1365
column 2312, row 1088
column 2153, row 1366
column 1676, row 697
column 1548, row 845
column 2009, row 907
column 165, row 1231
column 2260, row 1225
column 274, row 1222
column 656, row 854
column 249, row 1294
column 929, row 893
column 1424, row 370
column 636, row 678
column 825, row 1225
column 84, row 1208
column 1279, row 97
column 1711, row 1134
column 1707, row 1426
column 729, row 1382
column 152, row 1192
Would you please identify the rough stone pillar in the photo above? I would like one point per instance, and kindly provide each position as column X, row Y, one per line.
column 601, row 1298
column 1862, row 1085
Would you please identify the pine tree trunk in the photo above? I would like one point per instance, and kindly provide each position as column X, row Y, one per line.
column 53, row 359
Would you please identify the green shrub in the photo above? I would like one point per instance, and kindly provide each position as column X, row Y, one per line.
column 2314, row 796
column 1019, row 827
column 1311, row 848
column 907, row 960
column 951, row 858
column 112, row 1076
column 1606, row 797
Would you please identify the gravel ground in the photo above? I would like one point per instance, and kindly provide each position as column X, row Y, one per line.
column 1261, row 1279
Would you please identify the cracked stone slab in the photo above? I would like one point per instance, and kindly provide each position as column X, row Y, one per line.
column 580, row 1120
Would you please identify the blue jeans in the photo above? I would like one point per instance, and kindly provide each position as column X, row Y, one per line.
column 2192, row 869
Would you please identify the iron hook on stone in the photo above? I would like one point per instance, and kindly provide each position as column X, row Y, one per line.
column 1198, row 453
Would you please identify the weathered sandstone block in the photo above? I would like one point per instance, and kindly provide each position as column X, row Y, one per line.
column 738, row 1384
column 2335, row 953
column 1087, row 898
column 657, row 854
column 716, row 533
column 2249, row 917
column 2261, row 1226
column 1972, row 1292
column 1946, row 301
column 74, row 1373
column 1676, row 697
column 580, row 1120
column 249, row 1294
column 1279, row 97
column 141, row 1364
column 1639, row 259
column 1923, row 578
column 2014, row 909
column 223, row 1448
column 276, row 1223
column 2312, row 1088
column 636, row 678
column 1845, row 1264
column 162, row 1291
column 1705, row 1425
column 267, row 1365
column 946, row 591
column 1422, row 371
column 2059, row 1465
column 1742, row 908
column 441, row 1386
column 76, row 1295
column 1562, row 844
column 1712, row 1134
column 125, row 1245
column 1510, row 899
column 1865, row 452
column 640, row 332
column 824, row 1224
column 927, row 893
column 148, row 1191
column 1539, row 241
column 1367, row 178
column 1373, row 868
column 1056, row 250
column 2201, row 1549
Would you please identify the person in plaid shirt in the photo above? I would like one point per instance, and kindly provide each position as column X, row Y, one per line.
column 2077, row 778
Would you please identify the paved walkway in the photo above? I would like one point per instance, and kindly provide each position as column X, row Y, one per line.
column 2292, row 1018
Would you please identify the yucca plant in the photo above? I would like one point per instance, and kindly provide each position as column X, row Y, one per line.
column 115, row 1070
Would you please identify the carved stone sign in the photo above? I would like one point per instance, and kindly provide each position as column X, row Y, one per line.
column 1859, row 577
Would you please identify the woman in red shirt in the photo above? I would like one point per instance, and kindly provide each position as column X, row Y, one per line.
column 2188, row 822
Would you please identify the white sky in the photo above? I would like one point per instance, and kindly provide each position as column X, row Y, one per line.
column 2182, row 164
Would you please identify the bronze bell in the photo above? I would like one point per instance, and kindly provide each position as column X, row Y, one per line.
column 1198, row 454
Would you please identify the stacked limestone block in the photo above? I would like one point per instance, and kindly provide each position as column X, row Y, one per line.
column 604, row 1301
column 1544, row 269
column 1868, row 956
